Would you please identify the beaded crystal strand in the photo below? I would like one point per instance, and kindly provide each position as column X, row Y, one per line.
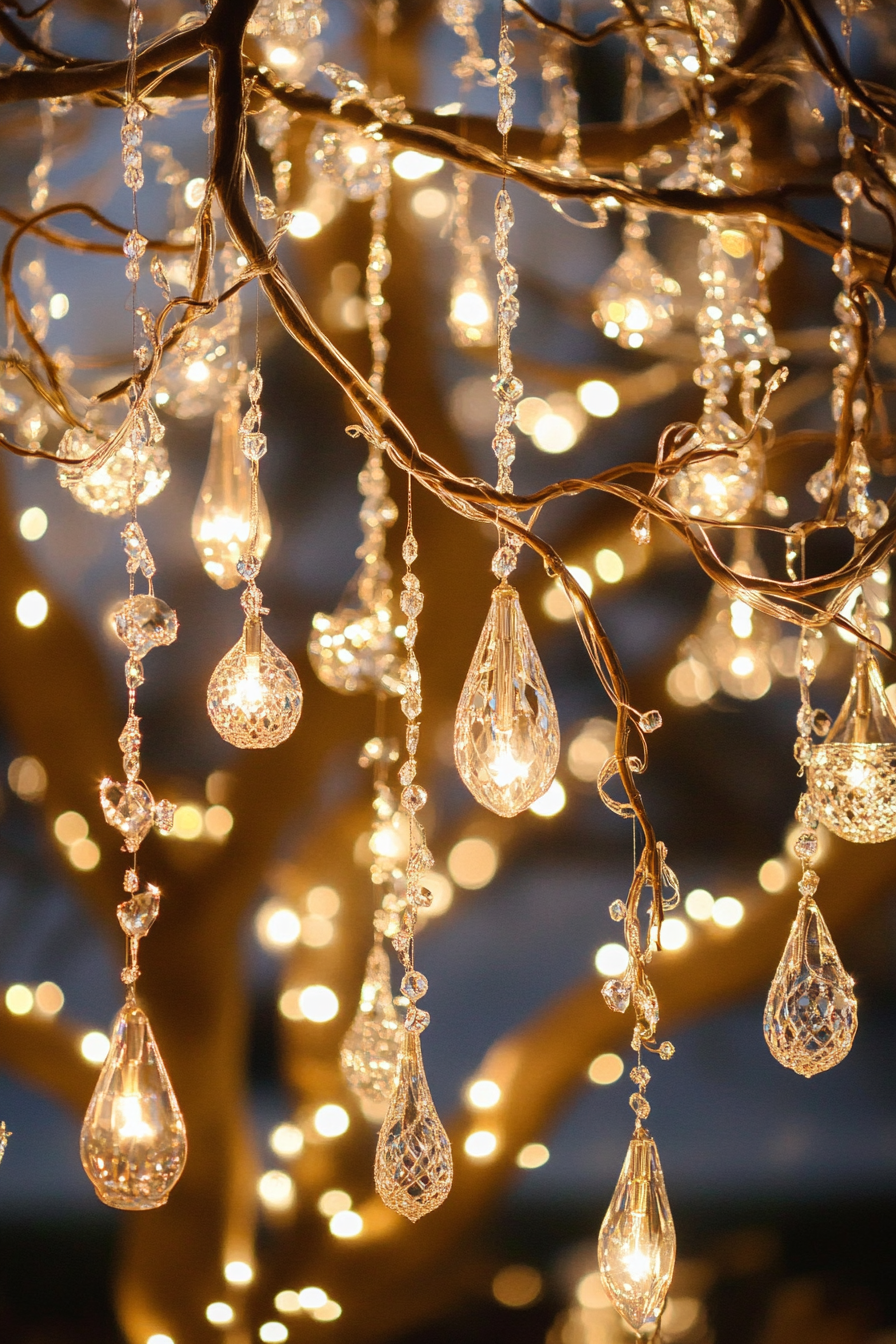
column 413, row 1168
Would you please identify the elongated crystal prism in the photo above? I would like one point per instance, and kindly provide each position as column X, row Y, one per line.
column 506, row 734
column 254, row 697
column 133, row 1141
column 413, row 1168
column 370, row 1047
column 222, row 516
column 852, row 774
column 811, row 1014
column 636, row 1246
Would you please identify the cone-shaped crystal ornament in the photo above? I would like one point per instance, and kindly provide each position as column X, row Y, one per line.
column 133, row 1141
column 413, row 1169
column 811, row 1014
column 370, row 1048
column 254, row 697
column 852, row 774
column 354, row 649
column 636, row 1246
column 506, row 735
column 222, row 516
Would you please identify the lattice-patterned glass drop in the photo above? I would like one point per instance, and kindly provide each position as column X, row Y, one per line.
column 636, row 1246
column 506, row 734
column 723, row 488
column 634, row 300
column 108, row 489
column 413, row 1169
column 370, row 1048
column 222, row 516
column 674, row 49
column 811, row 1014
column 852, row 774
column 254, row 697
column 133, row 1141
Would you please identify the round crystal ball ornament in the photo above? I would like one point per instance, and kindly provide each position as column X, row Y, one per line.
column 634, row 300
column 719, row 489
column 107, row 490
column 254, row 697
column 350, row 160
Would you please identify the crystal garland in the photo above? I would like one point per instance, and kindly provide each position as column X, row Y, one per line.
column 471, row 313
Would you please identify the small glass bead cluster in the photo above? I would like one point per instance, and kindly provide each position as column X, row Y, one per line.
column 808, row 721
column 379, row 264
column 474, row 64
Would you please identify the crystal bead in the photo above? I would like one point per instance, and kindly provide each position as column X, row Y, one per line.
column 806, row 845
column 409, row 549
column 138, row 915
column 133, row 178
column 401, row 941
column 504, row 217
column 847, row 186
column 416, row 1020
column 808, row 883
column 414, row 986
column 508, row 388
column 130, row 736
column 640, row 1105
column 163, row 816
column 640, row 529
column 411, row 703
column 145, row 622
column 666, row 1050
column 640, row 1075
column 411, row 603
column 636, row 1246
column 131, row 881
column 617, row 995
column 412, row 737
column 504, row 562
column 129, row 808
column 413, row 1170
column 369, row 1051
column 617, row 910
column 134, row 244
column 248, row 567
column 421, row 860
column 805, row 811
column 651, row 721
column 842, row 266
column 407, row 772
column 811, row 1014
column 413, row 798
column 133, row 673
column 254, row 445
column 254, row 699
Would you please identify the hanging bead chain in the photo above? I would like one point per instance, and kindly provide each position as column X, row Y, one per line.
column 561, row 114
column 379, row 263
column 474, row 64
column 808, row 721
column 131, row 140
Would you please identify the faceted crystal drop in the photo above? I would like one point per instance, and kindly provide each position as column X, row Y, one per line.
column 349, row 160
column 506, row 735
column 413, row 1169
column 636, row 1246
column 811, row 1013
column 129, row 808
column 355, row 648
column 145, row 622
column 721, row 489
column 138, row 915
column 369, row 1055
column 221, row 518
column 133, row 1141
column 254, row 697
column 852, row 774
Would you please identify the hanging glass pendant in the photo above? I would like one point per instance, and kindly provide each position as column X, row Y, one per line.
column 254, row 697
column 221, row 518
column 354, row 649
column 633, row 300
column 723, row 488
column 349, row 159
column 370, row 1048
column 674, row 49
column 506, row 734
column 636, row 1246
column 133, row 1141
column 108, row 489
column 811, row 1014
column 852, row 774
column 413, row 1169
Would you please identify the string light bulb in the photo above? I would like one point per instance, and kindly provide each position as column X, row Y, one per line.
column 222, row 516
column 636, row 1246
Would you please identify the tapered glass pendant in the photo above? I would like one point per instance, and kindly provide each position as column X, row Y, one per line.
column 413, row 1169
column 811, row 1014
column 506, row 734
column 636, row 1246
column 370, row 1048
column 254, row 697
column 222, row 516
column 133, row 1141
column 852, row 774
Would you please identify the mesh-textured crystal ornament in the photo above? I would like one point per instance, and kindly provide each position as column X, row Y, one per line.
column 352, row 161
column 222, row 518
column 254, row 697
column 633, row 300
column 414, row 1168
column 720, row 489
column 852, row 774
column 133, row 1141
column 811, row 1014
column 506, row 734
column 675, row 51
column 108, row 489
column 636, row 1246
column 370, row 1047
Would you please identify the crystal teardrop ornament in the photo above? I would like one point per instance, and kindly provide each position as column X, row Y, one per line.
column 506, row 734
column 355, row 649
column 138, row 915
column 633, row 300
column 107, row 490
column 413, row 1168
column 721, row 488
column 370, row 1047
column 852, row 774
column 129, row 808
column 811, row 1014
column 133, row 1141
column 222, row 516
column 636, row 1245
column 254, row 697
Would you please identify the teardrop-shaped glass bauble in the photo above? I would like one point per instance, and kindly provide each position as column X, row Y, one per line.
column 811, row 1014
column 636, row 1246
column 722, row 488
column 634, row 300
column 852, row 774
column 355, row 648
column 254, row 697
column 506, row 734
column 133, row 1140
column 107, row 490
column 222, row 516
column 413, row 1169
column 370, row 1048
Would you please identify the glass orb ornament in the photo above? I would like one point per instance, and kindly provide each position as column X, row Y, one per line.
column 370, row 1047
column 254, row 697
column 107, row 490
column 723, row 488
column 676, row 53
column 133, row 1140
column 354, row 649
column 633, row 300
column 506, row 734
column 222, row 516
column 811, row 1014
column 349, row 160
column 852, row 774
column 636, row 1245
column 414, row 1168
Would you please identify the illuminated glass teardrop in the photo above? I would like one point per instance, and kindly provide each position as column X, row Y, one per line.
column 722, row 488
column 636, row 1246
column 370, row 1048
column 633, row 300
column 506, row 734
column 133, row 1141
column 354, row 649
column 107, row 490
column 413, row 1169
column 254, row 697
column 221, row 518
column 852, row 774
column 811, row 1014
